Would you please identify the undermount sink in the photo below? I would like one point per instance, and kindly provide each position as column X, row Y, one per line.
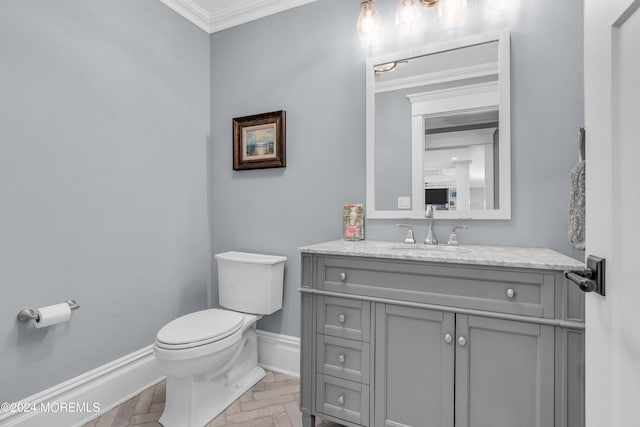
column 434, row 248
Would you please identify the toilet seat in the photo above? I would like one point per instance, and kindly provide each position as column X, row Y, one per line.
column 199, row 328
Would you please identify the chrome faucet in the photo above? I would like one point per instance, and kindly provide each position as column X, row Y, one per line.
column 409, row 239
column 431, row 232
column 453, row 237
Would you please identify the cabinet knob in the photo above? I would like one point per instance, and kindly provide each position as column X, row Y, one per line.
column 511, row 293
column 343, row 276
column 448, row 338
column 342, row 318
column 341, row 399
column 341, row 359
column 462, row 341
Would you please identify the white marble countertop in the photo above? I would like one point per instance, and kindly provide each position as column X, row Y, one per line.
column 503, row 256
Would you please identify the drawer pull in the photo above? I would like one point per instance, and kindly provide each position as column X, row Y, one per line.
column 341, row 359
column 341, row 399
column 343, row 276
column 511, row 293
column 462, row 341
column 448, row 338
column 342, row 318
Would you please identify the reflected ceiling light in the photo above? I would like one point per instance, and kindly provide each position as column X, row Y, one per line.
column 452, row 12
column 407, row 15
column 387, row 66
column 429, row 3
column 368, row 26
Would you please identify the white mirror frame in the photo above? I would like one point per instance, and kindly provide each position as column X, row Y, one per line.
column 417, row 178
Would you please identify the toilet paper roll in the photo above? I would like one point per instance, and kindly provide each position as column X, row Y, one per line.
column 52, row 314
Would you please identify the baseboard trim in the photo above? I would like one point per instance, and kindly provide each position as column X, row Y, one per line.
column 116, row 382
column 279, row 353
column 108, row 385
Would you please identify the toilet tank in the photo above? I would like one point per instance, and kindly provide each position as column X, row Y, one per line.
column 250, row 283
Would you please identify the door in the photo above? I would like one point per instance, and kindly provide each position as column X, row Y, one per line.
column 504, row 373
column 612, row 108
column 414, row 354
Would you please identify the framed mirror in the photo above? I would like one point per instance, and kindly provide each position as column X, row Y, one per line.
column 438, row 130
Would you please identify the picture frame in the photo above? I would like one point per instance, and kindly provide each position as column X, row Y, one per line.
column 259, row 141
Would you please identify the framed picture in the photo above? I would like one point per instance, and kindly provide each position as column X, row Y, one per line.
column 259, row 141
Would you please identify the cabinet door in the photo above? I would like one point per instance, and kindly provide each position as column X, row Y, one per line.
column 504, row 373
column 414, row 367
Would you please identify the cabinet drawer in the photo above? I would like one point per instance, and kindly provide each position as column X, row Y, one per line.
column 344, row 318
column 526, row 293
column 343, row 358
column 342, row 399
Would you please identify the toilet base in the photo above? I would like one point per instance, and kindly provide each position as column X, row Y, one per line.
column 194, row 401
column 203, row 412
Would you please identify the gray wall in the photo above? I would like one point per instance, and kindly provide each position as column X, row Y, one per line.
column 104, row 112
column 288, row 61
column 309, row 62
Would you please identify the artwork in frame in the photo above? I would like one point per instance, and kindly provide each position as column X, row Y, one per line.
column 259, row 141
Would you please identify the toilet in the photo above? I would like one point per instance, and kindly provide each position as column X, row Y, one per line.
column 210, row 357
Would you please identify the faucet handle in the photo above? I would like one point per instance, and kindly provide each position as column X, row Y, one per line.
column 409, row 238
column 453, row 237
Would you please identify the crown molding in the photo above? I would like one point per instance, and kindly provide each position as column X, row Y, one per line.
column 240, row 12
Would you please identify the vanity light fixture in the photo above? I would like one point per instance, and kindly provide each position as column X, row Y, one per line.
column 450, row 12
column 407, row 16
column 368, row 26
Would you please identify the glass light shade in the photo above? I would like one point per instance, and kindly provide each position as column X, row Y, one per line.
column 368, row 26
column 406, row 16
column 452, row 12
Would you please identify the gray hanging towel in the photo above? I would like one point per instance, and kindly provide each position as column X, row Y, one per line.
column 576, row 206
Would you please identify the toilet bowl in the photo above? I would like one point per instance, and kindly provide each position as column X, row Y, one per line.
column 210, row 357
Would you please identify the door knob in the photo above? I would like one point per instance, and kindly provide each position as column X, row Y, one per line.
column 462, row 341
column 448, row 338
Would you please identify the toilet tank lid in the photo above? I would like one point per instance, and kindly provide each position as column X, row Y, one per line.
column 250, row 258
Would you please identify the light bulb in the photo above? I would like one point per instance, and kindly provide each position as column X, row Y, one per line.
column 368, row 26
column 452, row 12
column 406, row 16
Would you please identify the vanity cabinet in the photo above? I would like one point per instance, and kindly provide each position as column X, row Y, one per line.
column 414, row 373
column 505, row 368
column 410, row 342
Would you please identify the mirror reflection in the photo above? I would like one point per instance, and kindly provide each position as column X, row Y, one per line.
column 461, row 162
column 437, row 131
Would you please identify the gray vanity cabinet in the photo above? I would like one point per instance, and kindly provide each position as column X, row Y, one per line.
column 504, row 368
column 414, row 371
column 504, row 373
column 398, row 343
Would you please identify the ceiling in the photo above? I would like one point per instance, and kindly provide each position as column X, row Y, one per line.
column 217, row 15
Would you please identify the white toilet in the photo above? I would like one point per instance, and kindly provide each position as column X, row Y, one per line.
column 210, row 357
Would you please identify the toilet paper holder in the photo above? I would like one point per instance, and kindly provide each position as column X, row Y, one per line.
column 30, row 314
